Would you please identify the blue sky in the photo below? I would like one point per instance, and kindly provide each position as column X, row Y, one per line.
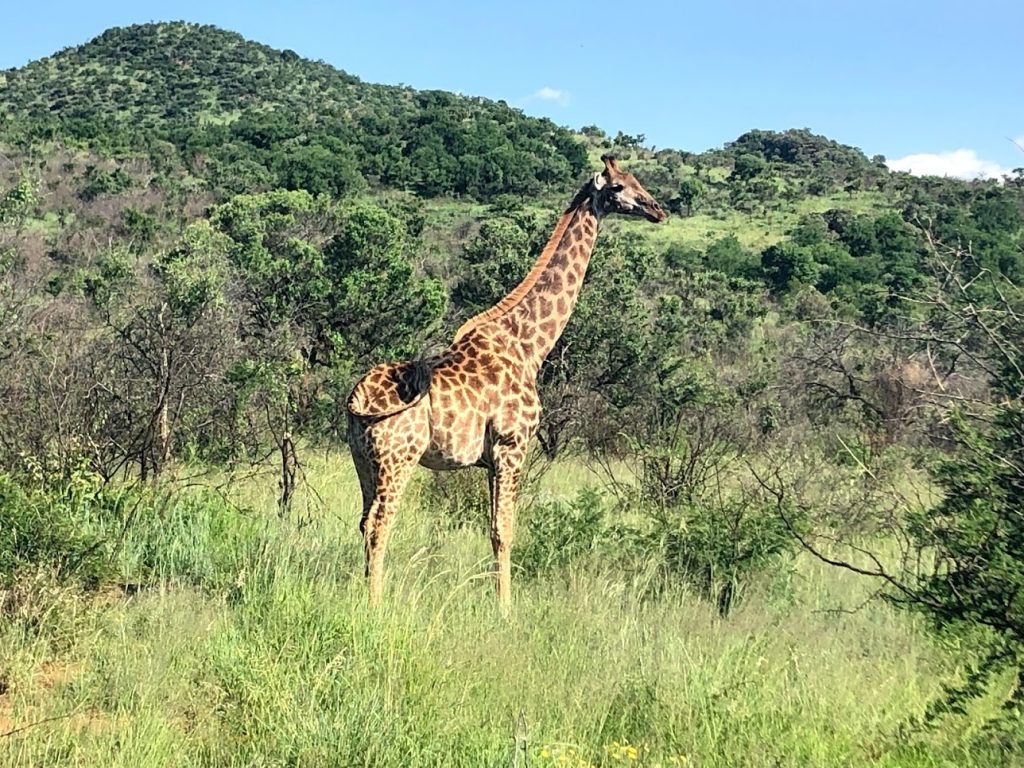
column 940, row 80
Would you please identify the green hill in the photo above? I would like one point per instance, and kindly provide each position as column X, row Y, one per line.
column 240, row 116
column 269, row 116
column 163, row 119
column 154, row 73
column 194, row 112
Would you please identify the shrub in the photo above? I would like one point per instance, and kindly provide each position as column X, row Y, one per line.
column 559, row 532
column 716, row 545
column 65, row 528
column 457, row 499
column 99, row 182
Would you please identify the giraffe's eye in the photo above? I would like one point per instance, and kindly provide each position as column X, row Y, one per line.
column 617, row 187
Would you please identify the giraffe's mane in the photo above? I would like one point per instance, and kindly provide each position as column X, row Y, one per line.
column 510, row 301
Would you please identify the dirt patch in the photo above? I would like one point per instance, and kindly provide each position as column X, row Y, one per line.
column 95, row 722
column 48, row 676
column 54, row 673
column 6, row 724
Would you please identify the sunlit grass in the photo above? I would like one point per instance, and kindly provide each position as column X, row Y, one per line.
column 753, row 230
column 253, row 645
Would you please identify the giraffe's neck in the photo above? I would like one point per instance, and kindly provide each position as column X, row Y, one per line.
column 538, row 318
column 534, row 314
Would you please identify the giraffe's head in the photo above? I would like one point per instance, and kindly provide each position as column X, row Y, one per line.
column 616, row 191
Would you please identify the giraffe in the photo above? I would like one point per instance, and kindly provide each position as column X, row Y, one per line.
column 476, row 403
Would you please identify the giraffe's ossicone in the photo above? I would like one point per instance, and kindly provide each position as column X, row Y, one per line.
column 476, row 403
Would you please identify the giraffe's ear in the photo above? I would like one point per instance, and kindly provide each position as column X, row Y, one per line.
column 610, row 166
column 599, row 181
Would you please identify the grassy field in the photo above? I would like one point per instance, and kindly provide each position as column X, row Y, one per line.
column 754, row 231
column 251, row 645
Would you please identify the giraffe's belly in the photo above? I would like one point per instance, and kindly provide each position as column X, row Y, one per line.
column 456, row 440
column 444, row 461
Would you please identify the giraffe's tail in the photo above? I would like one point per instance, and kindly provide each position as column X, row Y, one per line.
column 390, row 388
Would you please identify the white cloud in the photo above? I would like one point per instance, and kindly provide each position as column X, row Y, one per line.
column 547, row 93
column 961, row 163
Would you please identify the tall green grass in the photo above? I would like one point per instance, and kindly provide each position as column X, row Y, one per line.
column 251, row 644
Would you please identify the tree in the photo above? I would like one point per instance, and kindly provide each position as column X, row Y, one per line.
column 690, row 191
column 146, row 384
column 276, row 241
column 498, row 257
column 631, row 142
column 191, row 339
column 378, row 306
column 17, row 203
column 728, row 255
column 322, row 168
column 786, row 266
column 960, row 561
column 748, row 166
column 325, row 290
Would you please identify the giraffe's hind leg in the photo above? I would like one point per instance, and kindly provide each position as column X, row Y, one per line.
column 392, row 477
column 385, row 453
column 367, row 473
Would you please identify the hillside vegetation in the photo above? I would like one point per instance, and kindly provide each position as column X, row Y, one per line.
column 259, row 116
column 772, row 517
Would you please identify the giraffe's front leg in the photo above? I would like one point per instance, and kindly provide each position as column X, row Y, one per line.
column 508, row 458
